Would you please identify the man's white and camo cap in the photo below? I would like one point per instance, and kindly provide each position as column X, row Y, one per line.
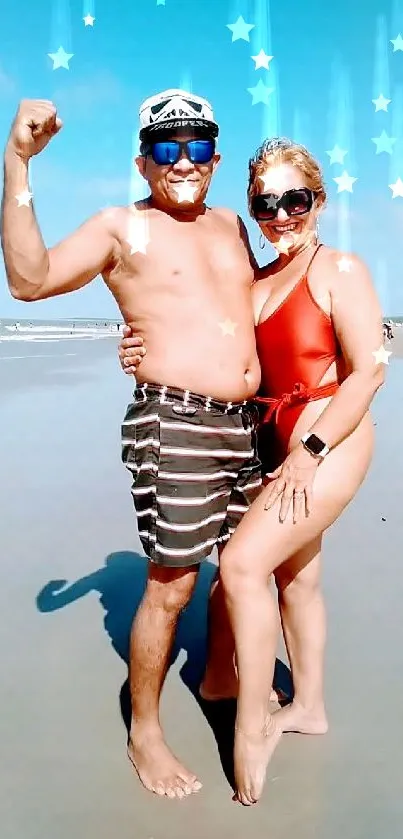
column 172, row 111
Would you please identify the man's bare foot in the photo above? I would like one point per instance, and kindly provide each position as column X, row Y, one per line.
column 158, row 769
column 252, row 753
column 297, row 719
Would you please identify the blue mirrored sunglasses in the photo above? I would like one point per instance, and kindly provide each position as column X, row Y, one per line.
column 168, row 152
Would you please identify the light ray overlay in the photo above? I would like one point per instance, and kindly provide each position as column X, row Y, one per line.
column 88, row 12
column 381, row 80
column 261, row 38
column 138, row 233
column 341, row 133
column 60, row 30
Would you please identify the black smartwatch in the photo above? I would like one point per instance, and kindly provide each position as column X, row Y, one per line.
column 315, row 446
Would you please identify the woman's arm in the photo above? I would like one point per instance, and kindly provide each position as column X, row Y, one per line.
column 358, row 323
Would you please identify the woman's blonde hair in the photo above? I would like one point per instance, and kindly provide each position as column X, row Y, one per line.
column 282, row 150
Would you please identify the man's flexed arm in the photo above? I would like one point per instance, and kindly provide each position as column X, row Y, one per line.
column 33, row 272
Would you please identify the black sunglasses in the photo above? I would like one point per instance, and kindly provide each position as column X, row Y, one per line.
column 295, row 202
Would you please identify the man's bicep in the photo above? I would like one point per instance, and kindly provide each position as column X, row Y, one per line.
column 79, row 258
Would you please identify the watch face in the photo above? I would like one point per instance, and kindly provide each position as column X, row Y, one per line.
column 315, row 444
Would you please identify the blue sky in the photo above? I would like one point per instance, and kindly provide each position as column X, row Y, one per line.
column 330, row 60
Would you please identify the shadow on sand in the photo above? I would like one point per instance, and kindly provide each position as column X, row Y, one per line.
column 121, row 584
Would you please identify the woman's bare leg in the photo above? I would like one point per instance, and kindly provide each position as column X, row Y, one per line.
column 254, row 618
column 303, row 619
column 251, row 610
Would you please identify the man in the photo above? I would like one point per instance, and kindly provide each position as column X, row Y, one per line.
column 180, row 273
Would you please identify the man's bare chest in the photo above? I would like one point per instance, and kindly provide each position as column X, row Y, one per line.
column 195, row 260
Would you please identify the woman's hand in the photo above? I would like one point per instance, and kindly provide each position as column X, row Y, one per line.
column 293, row 481
column 131, row 351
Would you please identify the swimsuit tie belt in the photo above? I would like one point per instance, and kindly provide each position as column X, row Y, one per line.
column 299, row 394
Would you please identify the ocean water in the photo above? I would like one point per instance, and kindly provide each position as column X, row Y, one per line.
column 54, row 331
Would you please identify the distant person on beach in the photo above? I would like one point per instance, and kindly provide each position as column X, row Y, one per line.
column 188, row 435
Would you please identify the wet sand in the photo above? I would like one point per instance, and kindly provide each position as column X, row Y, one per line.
column 66, row 515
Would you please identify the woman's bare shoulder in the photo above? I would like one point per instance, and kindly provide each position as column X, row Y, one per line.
column 340, row 262
column 338, row 270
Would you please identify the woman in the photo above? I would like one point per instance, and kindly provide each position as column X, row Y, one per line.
column 319, row 339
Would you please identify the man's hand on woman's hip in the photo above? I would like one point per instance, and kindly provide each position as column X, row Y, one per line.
column 131, row 351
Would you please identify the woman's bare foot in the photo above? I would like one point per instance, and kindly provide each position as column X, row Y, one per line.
column 158, row 769
column 296, row 718
column 252, row 753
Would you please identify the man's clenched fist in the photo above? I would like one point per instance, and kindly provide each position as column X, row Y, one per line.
column 35, row 124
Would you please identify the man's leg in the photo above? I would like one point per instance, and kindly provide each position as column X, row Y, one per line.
column 168, row 592
column 220, row 680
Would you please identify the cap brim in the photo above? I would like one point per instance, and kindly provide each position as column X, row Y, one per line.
column 198, row 127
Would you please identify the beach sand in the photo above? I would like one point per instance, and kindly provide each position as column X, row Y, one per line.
column 66, row 515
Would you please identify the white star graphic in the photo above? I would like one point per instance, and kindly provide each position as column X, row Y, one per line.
column 397, row 43
column 381, row 356
column 139, row 236
column 262, row 60
column 263, row 179
column 24, row 198
column 185, row 192
column 381, row 104
column 266, row 186
column 60, row 58
column 283, row 245
column 89, row 20
column 397, row 188
column 336, row 154
column 345, row 182
column 344, row 264
column 240, row 30
column 292, row 239
column 384, row 143
column 260, row 93
column 228, row 327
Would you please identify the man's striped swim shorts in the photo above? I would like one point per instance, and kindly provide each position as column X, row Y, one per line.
column 195, row 470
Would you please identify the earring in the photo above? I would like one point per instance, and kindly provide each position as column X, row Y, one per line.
column 262, row 241
column 317, row 229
